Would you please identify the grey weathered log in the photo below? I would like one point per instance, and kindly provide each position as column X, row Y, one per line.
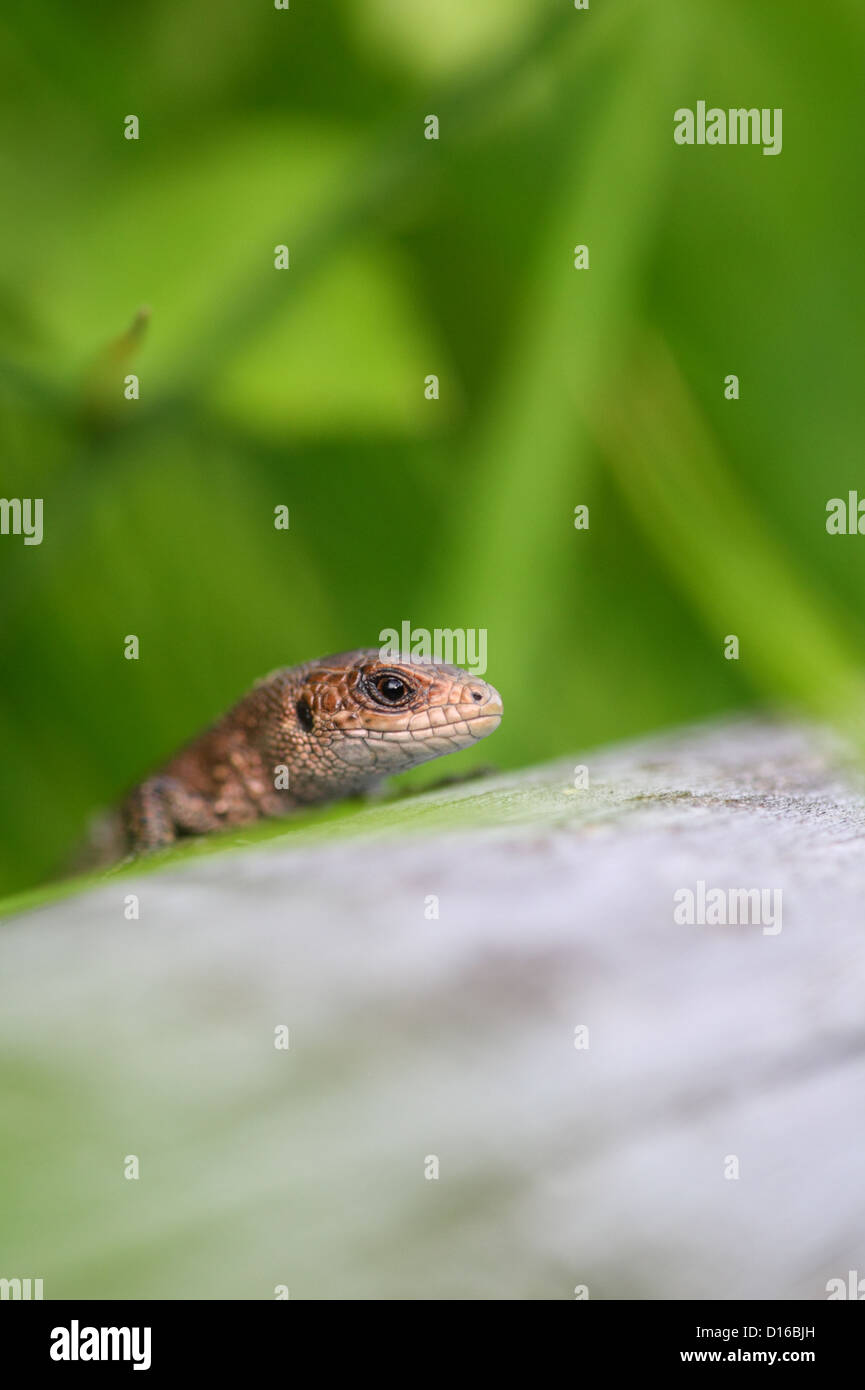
column 412, row 1037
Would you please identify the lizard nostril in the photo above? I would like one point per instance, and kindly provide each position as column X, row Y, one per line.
column 477, row 696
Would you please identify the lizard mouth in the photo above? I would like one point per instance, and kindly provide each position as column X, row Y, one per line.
column 464, row 723
column 484, row 725
column 448, row 710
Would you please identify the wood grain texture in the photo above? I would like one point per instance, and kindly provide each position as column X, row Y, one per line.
column 455, row 1037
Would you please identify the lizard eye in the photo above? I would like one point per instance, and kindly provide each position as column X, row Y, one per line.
column 392, row 689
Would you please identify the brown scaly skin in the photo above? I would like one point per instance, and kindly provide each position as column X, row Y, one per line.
column 338, row 725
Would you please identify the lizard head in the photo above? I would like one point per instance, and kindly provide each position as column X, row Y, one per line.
column 376, row 716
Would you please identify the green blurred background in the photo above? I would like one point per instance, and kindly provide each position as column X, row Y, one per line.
column 411, row 257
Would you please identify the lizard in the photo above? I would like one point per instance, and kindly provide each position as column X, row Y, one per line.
column 317, row 732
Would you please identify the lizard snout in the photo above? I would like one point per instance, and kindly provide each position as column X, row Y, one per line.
column 481, row 708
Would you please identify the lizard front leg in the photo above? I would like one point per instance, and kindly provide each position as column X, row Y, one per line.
column 160, row 810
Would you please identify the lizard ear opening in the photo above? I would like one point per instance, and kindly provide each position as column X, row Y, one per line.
column 304, row 715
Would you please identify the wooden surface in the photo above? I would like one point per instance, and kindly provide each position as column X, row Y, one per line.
column 454, row 1037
